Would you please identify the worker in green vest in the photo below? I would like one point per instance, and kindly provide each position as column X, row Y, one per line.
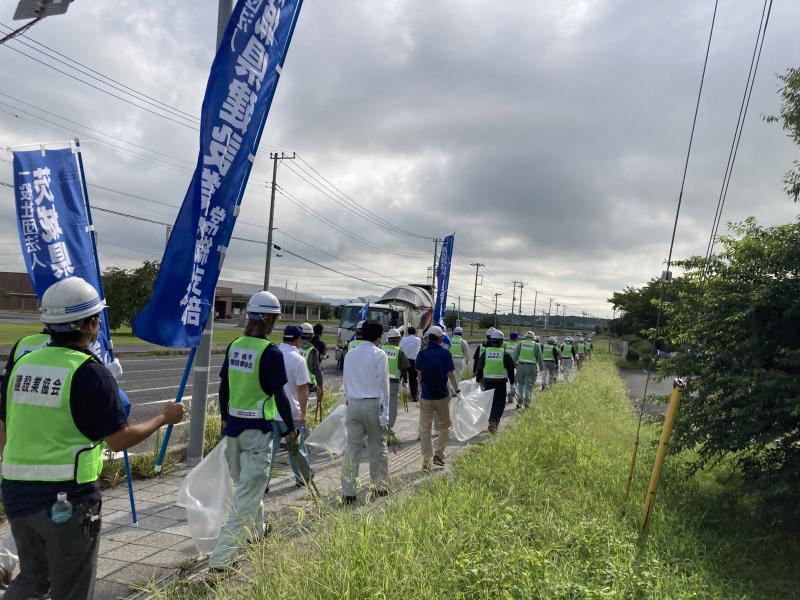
column 251, row 394
column 314, row 362
column 551, row 360
column 495, row 368
column 567, row 356
column 480, row 349
column 397, row 364
column 529, row 360
column 589, row 346
column 29, row 343
column 459, row 350
column 59, row 408
column 510, row 347
column 580, row 351
column 357, row 336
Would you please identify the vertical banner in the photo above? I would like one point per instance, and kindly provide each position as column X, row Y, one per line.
column 442, row 280
column 54, row 229
column 239, row 93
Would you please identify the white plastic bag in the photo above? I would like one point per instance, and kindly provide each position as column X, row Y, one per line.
column 8, row 558
column 206, row 494
column 330, row 435
column 471, row 411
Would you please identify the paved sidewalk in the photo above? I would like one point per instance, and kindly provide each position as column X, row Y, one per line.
column 135, row 558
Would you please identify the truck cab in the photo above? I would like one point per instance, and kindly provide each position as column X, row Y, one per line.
column 387, row 315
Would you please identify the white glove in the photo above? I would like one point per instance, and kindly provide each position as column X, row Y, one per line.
column 115, row 367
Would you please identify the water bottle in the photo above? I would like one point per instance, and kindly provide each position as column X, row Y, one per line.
column 61, row 510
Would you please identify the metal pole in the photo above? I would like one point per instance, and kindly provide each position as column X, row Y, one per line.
column 166, row 237
column 274, row 158
column 474, row 296
column 513, row 303
column 661, row 454
column 197, row 420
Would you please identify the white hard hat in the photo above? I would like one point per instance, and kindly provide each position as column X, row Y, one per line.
column 490, row 331
column 393, row 333
column 529, row 335
column 265, row 303
column 435, row 330
column 498, row 335
column 307, row 329
column 70, row 300
column 458, row 331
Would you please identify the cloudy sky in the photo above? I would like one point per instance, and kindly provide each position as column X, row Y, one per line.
column 550, row 136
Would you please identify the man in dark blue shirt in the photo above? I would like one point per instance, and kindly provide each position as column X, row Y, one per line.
column 435, row 367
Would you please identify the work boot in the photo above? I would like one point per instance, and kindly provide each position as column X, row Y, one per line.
column 438, row 461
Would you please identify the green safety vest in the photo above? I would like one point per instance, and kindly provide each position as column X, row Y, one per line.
column 306, row 353
column 483, row 349
column 247, row 400
column 548, row 352
column 393, row 354
column 493, row 367
column 566, row 351
column 510, row 347
column 527, row 352
column 581, row 347
column 589, row 345
column 30, row 343
column 44, row 443
column 353, row 343
column 456, row 349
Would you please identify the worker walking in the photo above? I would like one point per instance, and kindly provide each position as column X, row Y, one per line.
column 589, row 346
column 397, row 364
column 567, row 357
column 459, row 350
column 580, row 351
column 296, row 389
column 529, row 361
column 434, row 369
column 495, row 368
column 313, row 357
column 510, row 347
column 411, row 345
column 550, row 359
column 480, row 350
column 251, row 395
column 366, row 390
column 58, row 405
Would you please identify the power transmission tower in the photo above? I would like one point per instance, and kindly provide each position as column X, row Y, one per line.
column 275, row 158
column 474, row 296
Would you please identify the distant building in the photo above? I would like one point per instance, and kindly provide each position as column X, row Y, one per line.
column 16, row 292
column 232, row 299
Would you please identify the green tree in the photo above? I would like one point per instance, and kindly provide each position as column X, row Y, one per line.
column 486, row 321
column 789, row 118
column 639, row 308
column 740, row 334
column 127, row 291
column 325, row 311
column 450, row 319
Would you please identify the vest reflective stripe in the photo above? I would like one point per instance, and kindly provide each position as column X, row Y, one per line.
column 30, row 343
column 581, row 347
column 566, row 351
column 393, row 355
column 456, row 349
column 548, row 352
column 44, row 444
column 354, row 343
column 306, row 353
column 494, row 368
column 247, row 399
column 527, row 352
column 510, row 347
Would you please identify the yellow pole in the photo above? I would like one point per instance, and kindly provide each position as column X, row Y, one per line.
column 666, row 432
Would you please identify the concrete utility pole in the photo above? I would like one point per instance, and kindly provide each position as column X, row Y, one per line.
column 513, row 303
column 202, row 360
column 433, row 272
column 521, row 285
column 275, row 158
column 496, row 294
column 549, row 308
column 474, row 296
column 535, row 298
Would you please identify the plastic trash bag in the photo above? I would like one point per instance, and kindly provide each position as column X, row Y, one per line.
column 8, row 558
column 206, row 494
column 470, row 411
column 330, row 435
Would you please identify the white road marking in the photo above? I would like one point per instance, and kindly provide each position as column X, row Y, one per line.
column 166, row 387
column 185, row 398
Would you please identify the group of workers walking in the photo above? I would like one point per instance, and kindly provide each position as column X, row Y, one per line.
column 60, row 407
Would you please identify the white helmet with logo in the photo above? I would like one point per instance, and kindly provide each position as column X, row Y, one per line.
column 498, row 335
column 69, row 301
column 308, row 330
column 263, row 303
column 490, row 331
column 393, row 334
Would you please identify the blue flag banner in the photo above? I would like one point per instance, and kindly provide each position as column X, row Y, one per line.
column 443, row 280
column 54, row 227
column 364, row 311
column 239, row 93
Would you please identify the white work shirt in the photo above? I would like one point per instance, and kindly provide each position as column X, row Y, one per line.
column 366, row 375
column 296, row 375
column 410, row 346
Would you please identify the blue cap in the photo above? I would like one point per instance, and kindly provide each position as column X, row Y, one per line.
column 291, row 332
column 514, row 335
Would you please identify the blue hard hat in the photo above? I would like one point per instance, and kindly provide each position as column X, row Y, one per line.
column 514, row 335
column 292, row 331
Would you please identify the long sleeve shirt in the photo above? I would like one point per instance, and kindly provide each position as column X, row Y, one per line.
column 411, row 345
column 537, row 353
column 366, row 375
column 508, row 363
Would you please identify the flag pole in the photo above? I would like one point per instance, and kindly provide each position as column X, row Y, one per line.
column 178, row 398
column 93, row 236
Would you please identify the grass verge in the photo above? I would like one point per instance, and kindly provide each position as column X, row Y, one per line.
column 536, row 513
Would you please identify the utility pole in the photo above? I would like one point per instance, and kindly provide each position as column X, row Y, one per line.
column 535, row 298
column 275, row 158
column 166, row 240
column 474, row 296
column 550, row 306
column 522, row 284
column 513, row 303
column 496, row 294
column 202, row 361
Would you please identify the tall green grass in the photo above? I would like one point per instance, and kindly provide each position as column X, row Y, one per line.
column 536, row 513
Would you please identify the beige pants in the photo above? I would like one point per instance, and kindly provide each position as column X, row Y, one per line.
column 428, row 410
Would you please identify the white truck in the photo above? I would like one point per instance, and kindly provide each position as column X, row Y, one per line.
column 401, row 307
